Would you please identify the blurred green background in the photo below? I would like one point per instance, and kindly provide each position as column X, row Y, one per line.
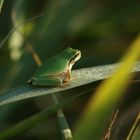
column 102, row 30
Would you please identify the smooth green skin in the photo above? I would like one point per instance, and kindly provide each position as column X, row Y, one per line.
column 56, row 71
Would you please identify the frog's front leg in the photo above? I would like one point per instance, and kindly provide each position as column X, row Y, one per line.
column 67, row 77
column 46, row 81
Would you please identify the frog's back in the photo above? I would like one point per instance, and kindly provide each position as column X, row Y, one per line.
column 52, row 66
column 57, row 64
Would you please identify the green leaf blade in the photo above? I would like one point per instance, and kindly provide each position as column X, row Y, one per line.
column 88, row 75
column 101, row 105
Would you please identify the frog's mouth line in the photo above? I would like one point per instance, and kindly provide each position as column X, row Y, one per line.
column 75, row 58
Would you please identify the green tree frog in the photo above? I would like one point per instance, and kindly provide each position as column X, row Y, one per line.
column 57, row 70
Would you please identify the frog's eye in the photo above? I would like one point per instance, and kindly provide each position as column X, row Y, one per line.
column 76, row 57
column 78, row 54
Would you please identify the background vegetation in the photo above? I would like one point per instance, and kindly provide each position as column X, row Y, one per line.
column 102, row 30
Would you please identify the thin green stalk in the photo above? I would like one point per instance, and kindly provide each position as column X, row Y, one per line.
column 65, row 130
column 108, row 134
column 137, row 121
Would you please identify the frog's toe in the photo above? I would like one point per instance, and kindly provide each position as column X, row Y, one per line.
column 64, row 84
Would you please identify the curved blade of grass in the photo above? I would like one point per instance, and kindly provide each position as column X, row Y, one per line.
column 87, row 75
column 134, row 128
column 30, row 122
column 104, row 102
column 1, row 3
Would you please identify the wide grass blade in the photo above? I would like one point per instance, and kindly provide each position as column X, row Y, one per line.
column 87, row 75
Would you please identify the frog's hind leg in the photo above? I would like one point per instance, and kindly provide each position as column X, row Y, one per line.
column 47, row 81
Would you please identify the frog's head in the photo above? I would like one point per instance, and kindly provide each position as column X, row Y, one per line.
column 72, row 55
